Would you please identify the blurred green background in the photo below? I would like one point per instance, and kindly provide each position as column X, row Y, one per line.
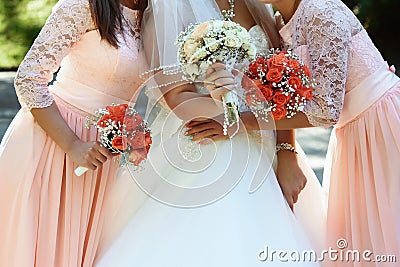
column 21, row 20
column 20, row 23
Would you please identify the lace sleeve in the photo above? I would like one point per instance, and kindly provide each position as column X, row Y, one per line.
column 327, row 32
column 69, row 20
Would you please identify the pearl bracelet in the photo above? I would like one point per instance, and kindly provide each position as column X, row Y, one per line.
column 285, row 146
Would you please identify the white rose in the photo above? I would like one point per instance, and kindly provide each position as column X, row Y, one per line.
column 244, row 36
column 204, row 66
column 252, row 51
column 233, row 41
column 191, row 70
column 218, row 24
column 190, row 47
column 200, row 54
column 212, row 44
column 246, row 46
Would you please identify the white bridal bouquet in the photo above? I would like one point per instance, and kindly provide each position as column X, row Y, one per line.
column 201, row 45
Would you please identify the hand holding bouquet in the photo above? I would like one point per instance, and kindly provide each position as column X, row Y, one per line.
column 202, row 45
column 278, row 84
column 122, row 130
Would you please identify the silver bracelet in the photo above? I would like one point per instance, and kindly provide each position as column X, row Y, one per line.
column 285, row 146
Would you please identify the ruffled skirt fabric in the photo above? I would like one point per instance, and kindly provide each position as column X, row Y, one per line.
column 49, row 216
column 364, row 188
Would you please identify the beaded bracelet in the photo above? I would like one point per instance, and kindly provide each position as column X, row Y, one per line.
column 285, row 146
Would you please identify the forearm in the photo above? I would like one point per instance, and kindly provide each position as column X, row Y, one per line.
column 250, row 121
column 188, row 104
column 297, row 121
column 55, row 126
column 286, row 136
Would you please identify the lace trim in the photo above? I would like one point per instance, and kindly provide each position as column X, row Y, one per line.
column 364, row 56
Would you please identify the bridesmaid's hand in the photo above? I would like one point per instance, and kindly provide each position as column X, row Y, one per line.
column 89, row 154
column 290, row 176
column 219, row 81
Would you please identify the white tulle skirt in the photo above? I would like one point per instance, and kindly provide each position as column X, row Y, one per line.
column 212, row 205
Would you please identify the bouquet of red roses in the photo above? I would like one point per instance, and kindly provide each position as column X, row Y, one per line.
column 278, row 84
column 122, row 130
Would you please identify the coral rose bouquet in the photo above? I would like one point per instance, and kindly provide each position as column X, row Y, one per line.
column 201, row 45
column 277, row 85
column 122, row 130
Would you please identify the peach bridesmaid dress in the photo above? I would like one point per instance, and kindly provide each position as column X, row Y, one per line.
column 49, row 216
column 360, row 96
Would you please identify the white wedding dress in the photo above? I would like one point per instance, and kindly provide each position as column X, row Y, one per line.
column 209, row 205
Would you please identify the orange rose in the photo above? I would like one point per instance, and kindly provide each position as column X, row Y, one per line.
column 279, row 112
column 120, row 143
column 307, row 93
column 294, row 64
column 138, row 140
column 117, row 112
column 267, row 91
column 137, row 155
column 148, row 141
column 131, row 124
column 104, row 120
column 261, row 60
column 274, row 75
column 277, row 60
column 254, row 68
column 295, row 82
column 280, row 98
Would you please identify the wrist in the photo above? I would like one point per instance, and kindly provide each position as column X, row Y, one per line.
column 72, row 144
column 249, row 121
column 281, row 147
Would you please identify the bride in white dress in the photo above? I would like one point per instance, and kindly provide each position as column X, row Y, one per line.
column 206, row 205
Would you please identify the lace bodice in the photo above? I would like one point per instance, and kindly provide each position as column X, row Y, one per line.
column 69, row 39
column 332, row 42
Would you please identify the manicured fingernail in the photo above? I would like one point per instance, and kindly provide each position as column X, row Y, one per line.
column 205, row 142
column 190, row 137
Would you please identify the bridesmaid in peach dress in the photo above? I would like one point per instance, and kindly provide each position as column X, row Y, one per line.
column 358, row 94
column 49, row 216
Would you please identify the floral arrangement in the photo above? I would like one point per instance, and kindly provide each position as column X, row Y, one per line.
column 122, row 130
column 201, row 45
column 278, row 84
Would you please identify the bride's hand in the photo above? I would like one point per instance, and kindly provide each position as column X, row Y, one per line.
column 290, row 176
column 219, row 81
column 207, row 130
